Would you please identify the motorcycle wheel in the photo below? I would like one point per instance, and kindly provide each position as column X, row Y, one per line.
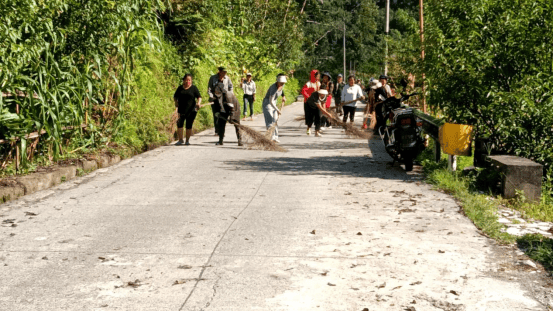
column 408, row 164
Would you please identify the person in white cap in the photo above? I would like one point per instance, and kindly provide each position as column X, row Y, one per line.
column 270, row 109
column 314, row 106
column 248, row 86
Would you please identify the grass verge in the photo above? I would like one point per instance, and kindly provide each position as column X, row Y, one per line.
column 480, row 208
column 480, row 205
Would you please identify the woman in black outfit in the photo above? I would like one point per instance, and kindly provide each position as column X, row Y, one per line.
column 187, row 107
column 314, row 108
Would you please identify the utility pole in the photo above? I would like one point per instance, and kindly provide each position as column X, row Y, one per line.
column 421, row 12
column 345, row 51
column 387, row 31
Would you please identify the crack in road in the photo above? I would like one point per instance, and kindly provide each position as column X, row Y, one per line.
column 219, row 242
column 214, row 292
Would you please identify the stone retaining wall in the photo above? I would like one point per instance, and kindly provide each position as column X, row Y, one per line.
column 13, row 188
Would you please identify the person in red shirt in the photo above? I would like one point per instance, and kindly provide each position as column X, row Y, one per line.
column 313, row 85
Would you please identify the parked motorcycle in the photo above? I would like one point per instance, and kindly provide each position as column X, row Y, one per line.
column 402, row 134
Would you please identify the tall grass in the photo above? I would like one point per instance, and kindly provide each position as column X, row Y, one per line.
column 72, row 63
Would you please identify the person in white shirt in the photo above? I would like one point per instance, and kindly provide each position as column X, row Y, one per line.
column 351, row 93
column 270, row 109
column 248, row 86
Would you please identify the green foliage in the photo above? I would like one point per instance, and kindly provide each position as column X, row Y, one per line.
column 489, row 64
column 366, row 40
column 145, row 116
column 480, row 207
column 324, row 31
column 254, row 35
column 538, row 248
column 65, row 57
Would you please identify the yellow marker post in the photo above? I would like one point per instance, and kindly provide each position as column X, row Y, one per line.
column 456, row 139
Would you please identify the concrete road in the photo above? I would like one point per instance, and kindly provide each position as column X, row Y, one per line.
column 327, row 226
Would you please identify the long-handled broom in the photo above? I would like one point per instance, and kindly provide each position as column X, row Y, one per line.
column 260, row 141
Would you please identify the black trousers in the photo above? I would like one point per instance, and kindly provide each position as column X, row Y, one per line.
column 337, row 102
column 249, row 100
column 222, row 123
column 312, row 115
column 325, row 121
column 380, row 120
column 214, row 109
column 349, row 110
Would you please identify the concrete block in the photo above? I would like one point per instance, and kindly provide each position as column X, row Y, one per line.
column 114, row 159
column 88, row 165
column 62, row 174
column 103, row 161
column 519, row 174
column 10, row 192
column 37, row 181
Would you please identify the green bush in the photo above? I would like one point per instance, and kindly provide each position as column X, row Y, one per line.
column 67, row 58
column 488, row 63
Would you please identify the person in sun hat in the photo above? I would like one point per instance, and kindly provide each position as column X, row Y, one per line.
column 382, row 92
column 371, row 101
column 271, row 112
column 249, row 88
column 327, row 81
column 220, row 77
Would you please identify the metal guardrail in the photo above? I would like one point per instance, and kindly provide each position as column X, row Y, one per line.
column 431, row 126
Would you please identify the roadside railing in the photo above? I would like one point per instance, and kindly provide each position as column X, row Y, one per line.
column 431, row 126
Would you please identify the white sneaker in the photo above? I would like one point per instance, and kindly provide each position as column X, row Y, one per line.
column 323, row 128
column 308, row 131
column 329, row 127
column 318, row 134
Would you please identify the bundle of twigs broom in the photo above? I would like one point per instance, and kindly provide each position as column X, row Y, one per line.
column 271, row 130
column 350, row 129
column 260, row 141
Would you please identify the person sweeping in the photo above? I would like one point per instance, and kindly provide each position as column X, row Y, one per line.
column 270, row 109
column 369, row 112
column 228, row 111
column 314, row 84
column 314, row 108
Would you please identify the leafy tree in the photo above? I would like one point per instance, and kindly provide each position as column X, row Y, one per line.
column 258, row 35
column 365, row 34
column 489, row 64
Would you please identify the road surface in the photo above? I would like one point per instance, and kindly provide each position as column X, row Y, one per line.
column 330, row 225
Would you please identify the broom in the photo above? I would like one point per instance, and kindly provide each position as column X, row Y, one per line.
column 260, row 141
column 271, row 130
column 172, row 123
column 351, row 130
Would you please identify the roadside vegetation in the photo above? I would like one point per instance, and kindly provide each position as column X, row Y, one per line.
column 99, row 78
column 480, row 202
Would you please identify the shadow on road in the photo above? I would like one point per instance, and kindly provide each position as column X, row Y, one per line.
column 325, row 145
column 354, row 166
